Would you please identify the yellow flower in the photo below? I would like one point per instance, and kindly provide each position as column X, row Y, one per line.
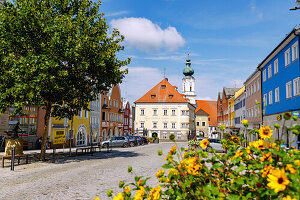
column 297, row 162
column 260, row 144
column 245, row 121
column 139, row 182
column 119, row 197
column 238, row 153
column 160, row 173
column 265, row 132
column 173, row 171
column 168, row 181
column 127, row 189
column 204, row 143
column 266, row 170
column 155, row 193
column 290, row 168
column 278, row 180
column 266, row 157
column 140, row 193
column 248, row 149
column 96, row 198
column 235, row 139
column 288, row 197
column 173, row 149
column 190, row 165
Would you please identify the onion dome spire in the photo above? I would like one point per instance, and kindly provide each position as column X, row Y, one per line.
column 188, row 70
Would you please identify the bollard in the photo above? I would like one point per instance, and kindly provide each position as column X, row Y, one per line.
column 12, row 166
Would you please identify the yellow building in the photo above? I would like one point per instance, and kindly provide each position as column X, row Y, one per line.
column 81, row 130
column 231, row 112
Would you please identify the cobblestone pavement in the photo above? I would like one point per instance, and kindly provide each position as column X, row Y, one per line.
column 82, row 177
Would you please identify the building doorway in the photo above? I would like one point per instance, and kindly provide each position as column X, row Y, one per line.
column 154, row 134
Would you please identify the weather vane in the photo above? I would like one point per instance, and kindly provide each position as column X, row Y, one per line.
column 188, row 54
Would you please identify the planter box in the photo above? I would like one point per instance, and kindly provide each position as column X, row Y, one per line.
column 156, row 141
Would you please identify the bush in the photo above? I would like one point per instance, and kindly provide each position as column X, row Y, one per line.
column 262, row 170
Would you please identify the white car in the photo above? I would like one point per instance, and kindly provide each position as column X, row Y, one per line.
column 215, row 144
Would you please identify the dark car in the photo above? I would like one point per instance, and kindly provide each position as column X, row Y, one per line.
column 139, row 140
column 145, row 140
column 133, row 140
column 116, row 142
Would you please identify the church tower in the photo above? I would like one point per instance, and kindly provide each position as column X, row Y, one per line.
column 188, row 82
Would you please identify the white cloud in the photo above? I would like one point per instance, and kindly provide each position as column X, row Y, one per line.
column 145, row 35
column 114, row 14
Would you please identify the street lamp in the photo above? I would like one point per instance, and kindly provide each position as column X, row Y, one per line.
column 296, row 8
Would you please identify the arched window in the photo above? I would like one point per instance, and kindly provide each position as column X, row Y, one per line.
column 104, row 136
column 81, row 137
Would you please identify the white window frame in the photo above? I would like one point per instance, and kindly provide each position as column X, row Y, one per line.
column 265, row 100
column 258, row 84
column 296, row 86
column 142, row 112
column 86, row 114
column 154, row 112
column 165, row 125
column 142, row 124
column 264, row 75
column 173, row 112
column 276, row 66
column 295, row 51
column 165, row 112
column 288, row 89
column 269, row 71
column 80, row 113
column 255, row 87
column 251, row 89
column 270, row 97
column 173, row 125
column 277, row 95
column 287, row 57
column 154, row 124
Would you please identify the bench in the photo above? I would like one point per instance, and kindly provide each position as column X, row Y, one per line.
column 18, row 156
column 87, row 149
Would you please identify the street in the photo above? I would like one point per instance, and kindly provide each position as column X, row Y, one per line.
column 82, row 177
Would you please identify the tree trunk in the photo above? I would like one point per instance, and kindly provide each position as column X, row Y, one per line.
column 48, row 107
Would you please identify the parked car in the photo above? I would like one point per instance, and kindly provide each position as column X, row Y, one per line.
column 199, row 138
column 145, row 140
column 116, row 142
column 215, row 144
column 139, row 140
column 133, row 141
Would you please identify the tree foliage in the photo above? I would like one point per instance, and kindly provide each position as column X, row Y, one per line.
column 56, row 52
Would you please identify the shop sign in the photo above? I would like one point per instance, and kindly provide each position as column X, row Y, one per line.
column 59, row 137
column 296, row 113
column 279, row 117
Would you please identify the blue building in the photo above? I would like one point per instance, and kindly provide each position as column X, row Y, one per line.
column 280, row 72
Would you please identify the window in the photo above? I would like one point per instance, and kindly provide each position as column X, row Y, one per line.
column 165, row 125
column 276, row 66
column 104, row 100
column 25, row 107
column 296, row 85
column 288, row 88
column 270, row 71
column 173, row 112
column 33, row 109
column 25, row 120
column 270, row 97
column 170, row 96
column 86, row 114
column 265, row 100
column 264, row 75
column 173, row 125
column 251, row 89
column 203, row 123
column 153, row 96
column 32, row 121
column 277, row 95
column 163, row 86
column 165, row 112
column 254, row 86
column 142, row 124
column 198, row 123
column 287, row 57
column 154, row 124
column 142, row 112
column 295, row 51
column 154, row 111
column 258, row 84
column 178, row 135
column 80, row 113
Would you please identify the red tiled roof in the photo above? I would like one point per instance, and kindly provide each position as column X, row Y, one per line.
column 162, row 93
column 210, row 107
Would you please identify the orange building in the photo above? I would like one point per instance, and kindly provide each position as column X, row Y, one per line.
column 112, row 114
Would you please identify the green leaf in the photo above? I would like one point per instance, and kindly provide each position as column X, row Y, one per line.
column 240, row 168
column 167, row 166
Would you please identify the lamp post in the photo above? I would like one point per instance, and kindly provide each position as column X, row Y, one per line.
column 296, row 8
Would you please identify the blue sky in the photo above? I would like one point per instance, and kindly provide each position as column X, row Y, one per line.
column 227, row 40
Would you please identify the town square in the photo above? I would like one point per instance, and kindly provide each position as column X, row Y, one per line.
column 162, row 99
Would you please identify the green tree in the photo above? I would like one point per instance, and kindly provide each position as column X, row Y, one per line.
column 57, row 54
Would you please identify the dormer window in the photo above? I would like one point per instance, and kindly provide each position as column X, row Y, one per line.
column 170, row 96
column 163, row 86
column 153, row 96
